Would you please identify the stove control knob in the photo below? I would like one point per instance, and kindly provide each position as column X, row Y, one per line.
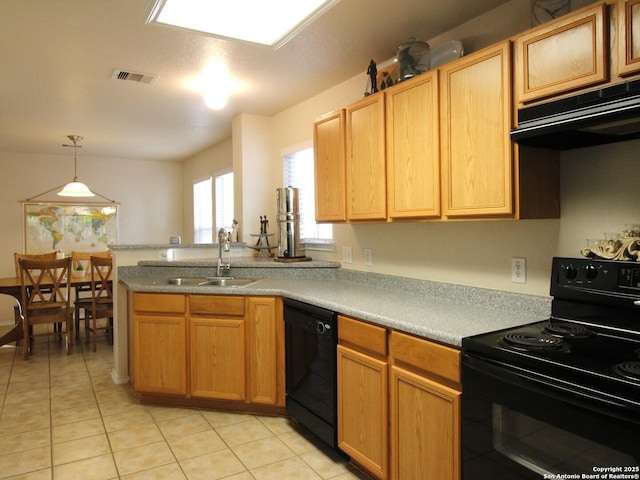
column 590, row 272
column 570, row 272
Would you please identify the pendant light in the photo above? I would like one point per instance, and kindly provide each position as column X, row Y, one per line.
column 75, row 188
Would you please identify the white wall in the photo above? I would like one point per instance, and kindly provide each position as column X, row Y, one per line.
column 149, row 194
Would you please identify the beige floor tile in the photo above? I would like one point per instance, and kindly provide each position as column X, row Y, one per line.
column 165, row 472
column 135, row 437
column 96, row 468
column 35, row 394
column 46, row 474
column 326, row 464
column 212, row 466
column 18, row 441
column 34, row 421
column 143, row 458
column 32, row 460
column 300, row 442
column 76, row 413
column 80, row 449
column 161, row 413
column 179, row 427
column 135, row 415
column 290, row 468
column 244, row 432
column 278, row 425
column 196, row 444
column 262, row 452
column 221, row 419
column 242, row 476
column 76, row 430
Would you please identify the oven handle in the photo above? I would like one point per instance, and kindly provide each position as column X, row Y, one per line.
column 578, row 395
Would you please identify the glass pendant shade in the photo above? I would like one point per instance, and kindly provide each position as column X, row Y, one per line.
column 76, row 189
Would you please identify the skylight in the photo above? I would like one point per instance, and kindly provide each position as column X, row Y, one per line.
column 270, row 23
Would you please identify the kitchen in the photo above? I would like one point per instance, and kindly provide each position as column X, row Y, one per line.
column 598, row 195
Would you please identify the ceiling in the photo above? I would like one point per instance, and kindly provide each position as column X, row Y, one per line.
column 58, row 58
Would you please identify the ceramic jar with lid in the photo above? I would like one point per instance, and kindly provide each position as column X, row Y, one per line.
column 414, row 58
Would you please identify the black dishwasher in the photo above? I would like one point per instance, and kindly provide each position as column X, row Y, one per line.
column 311, row 339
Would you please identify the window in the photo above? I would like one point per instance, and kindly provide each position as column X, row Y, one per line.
column 298, row 173
column 202, row 212
column 224, row 201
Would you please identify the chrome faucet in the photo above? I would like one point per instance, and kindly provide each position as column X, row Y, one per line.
column 223, row 245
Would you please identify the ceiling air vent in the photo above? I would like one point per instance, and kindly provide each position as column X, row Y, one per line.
column 134, row 76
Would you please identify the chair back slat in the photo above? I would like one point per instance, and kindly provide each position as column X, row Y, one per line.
column 32, row 256
column 101, row 269
column 45, row 283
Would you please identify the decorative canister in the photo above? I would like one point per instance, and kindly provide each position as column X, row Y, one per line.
column 414, row 58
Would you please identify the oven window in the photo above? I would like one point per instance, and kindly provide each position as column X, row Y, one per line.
column 547, row 449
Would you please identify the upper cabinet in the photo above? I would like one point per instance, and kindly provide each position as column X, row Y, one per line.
column 329, row 151
column 475, row 119
column 413, row 148
column 562, row 55
column 366, row 163
column 628, row 37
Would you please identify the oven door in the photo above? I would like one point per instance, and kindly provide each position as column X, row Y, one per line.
column 516, row 426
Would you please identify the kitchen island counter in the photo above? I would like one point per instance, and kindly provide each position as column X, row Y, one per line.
column 437, row 311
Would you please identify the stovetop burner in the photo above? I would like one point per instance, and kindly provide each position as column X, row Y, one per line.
column 568, row 330
column 538, row 342
column 630, row 370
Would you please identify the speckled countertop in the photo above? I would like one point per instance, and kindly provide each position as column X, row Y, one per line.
column 438, row 311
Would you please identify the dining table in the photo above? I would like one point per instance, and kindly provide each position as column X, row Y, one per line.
column 13, row 286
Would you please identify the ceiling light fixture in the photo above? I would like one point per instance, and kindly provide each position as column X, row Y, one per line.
column 75, row 188
column 268, row 23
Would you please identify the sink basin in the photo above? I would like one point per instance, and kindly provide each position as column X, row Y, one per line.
column 211, row 281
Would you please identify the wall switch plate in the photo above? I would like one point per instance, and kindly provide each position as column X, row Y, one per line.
column 519, row 270
column 368, row 256
column 347, row 255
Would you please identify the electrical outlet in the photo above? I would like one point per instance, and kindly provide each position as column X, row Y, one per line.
column 519, row 270
column 347, row 255
column 368, row 256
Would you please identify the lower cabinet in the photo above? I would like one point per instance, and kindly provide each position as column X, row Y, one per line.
column 209, row 349
column 398, row 403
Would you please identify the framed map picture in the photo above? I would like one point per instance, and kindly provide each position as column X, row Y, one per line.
column 69, row 226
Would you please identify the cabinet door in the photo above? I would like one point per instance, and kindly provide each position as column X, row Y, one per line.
column 425, row 428
column 475, row 121
column 264, row 351
column 629, row 36
column 362, row 410
column 562, row 55
column 366, row 166
column 413, row 153
column 330, row 174
column 217, row 358
column 160, row 353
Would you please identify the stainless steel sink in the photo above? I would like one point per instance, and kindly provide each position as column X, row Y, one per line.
column 211, row 281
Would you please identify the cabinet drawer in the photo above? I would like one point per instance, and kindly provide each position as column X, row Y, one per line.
column 217, row 305
column 363, row 336
column 155, row 302
column 424, row 355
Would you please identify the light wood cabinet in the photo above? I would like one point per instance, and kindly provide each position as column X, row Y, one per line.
column 160, row 344
column 363, row 395
column 366, row 164
column 628, row 37
column 217, row 347
column 424, row 410
column 195, row 349
column 330, row 173
column 265, row 351
column 477, row 167
column 413, row 153
column 562, row 55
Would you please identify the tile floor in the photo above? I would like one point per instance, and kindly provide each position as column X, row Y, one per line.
column 61, row 417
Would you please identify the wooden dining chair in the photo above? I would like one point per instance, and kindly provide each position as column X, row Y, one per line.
column 80, row 262
column 101, row 298
column 10, row 319
column 45, row 298
column 32, row 256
